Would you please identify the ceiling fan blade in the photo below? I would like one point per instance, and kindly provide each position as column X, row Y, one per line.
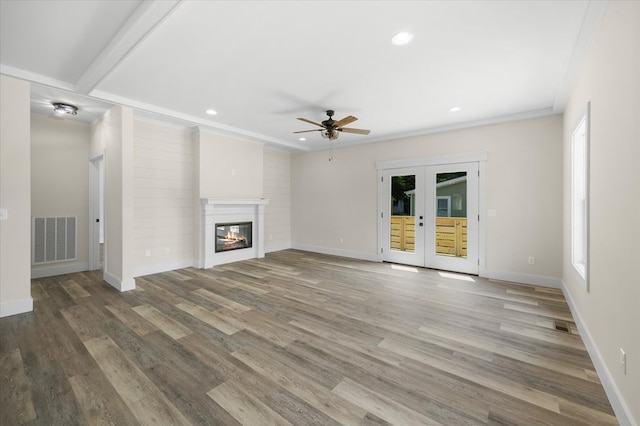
column 305, row 131
column 310, row 122
column 358, row 131
column 344, row 121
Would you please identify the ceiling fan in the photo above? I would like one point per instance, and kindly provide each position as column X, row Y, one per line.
column 330, row 128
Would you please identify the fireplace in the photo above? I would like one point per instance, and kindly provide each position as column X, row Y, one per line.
column 232, row 230
column 233, row 236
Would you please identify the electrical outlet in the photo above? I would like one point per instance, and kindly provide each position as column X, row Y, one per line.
column 166, row 250
column 532, row 260
column 623, row 361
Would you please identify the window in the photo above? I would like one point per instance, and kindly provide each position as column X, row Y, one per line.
column 580, row 197
column 444, row 206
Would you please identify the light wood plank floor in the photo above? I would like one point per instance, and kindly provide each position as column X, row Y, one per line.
column 297, row 338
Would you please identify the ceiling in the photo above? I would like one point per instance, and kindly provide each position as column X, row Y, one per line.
column 262, row 64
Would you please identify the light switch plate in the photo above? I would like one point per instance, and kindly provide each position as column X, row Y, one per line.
column 4, row 214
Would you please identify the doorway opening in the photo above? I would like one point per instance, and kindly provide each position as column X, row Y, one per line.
column 97, row 240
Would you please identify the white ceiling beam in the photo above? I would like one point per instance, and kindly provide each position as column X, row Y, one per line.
column 139, row 25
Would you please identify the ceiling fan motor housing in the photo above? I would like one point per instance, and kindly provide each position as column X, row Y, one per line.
column 329, row 122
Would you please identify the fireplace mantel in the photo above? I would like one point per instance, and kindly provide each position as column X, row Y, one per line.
column 226, row 210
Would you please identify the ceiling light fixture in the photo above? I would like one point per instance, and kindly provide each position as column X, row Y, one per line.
column 302, row 139
column 331, row 134
column 211, row 112
column 455, row 109
column 60, row 108
column 402, row 38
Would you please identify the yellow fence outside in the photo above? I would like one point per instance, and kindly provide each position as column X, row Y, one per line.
column 451, row 235
column 403, row 233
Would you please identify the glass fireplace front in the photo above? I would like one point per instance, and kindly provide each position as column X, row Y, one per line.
column 233, row 236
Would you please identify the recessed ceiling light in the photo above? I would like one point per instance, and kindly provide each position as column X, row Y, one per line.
column 211, row 112
column 455, row 109
column 302, row 139
column 402, row 38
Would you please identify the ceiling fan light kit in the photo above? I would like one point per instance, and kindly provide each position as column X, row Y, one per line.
column 330, row 128
column 330, row 134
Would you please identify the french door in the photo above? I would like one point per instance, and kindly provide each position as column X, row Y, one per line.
column 403, row 216
column 430, row 216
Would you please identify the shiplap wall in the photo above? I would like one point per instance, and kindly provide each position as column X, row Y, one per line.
column 163, row 218
column 277, row 188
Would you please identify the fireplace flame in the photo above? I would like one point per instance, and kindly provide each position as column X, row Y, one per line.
column 231, row 237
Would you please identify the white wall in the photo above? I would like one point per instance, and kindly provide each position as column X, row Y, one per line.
column 15, row 190
column 163, row 198
column 59, row 182
column 113, row 134
column 229, row 167
column 338, row 199
column 153, row 186
column 610, row 312
column 225, row 167
column 277, row 189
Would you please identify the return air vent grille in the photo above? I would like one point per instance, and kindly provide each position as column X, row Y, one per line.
column 53, row 239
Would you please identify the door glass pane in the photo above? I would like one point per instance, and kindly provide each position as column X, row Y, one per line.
column 451, row 214
column 403, row 221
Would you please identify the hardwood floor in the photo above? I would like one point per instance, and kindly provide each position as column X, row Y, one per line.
column 297, row 338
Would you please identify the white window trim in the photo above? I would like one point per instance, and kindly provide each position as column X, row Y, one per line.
column 580, row 182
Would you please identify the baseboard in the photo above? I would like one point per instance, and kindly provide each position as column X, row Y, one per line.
column 336, row 252
column 620, row 408
column 538, row 280
column 51, row 271
column 121, row 285
column 16, row 307
column 162, row 267
column 278, row 247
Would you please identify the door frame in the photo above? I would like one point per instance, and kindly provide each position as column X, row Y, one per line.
column 97, row 169
column 480, row 157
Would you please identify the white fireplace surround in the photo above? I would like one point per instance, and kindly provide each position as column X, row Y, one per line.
column 231, row 210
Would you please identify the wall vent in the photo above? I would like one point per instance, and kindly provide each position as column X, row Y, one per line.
column 53, row 239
